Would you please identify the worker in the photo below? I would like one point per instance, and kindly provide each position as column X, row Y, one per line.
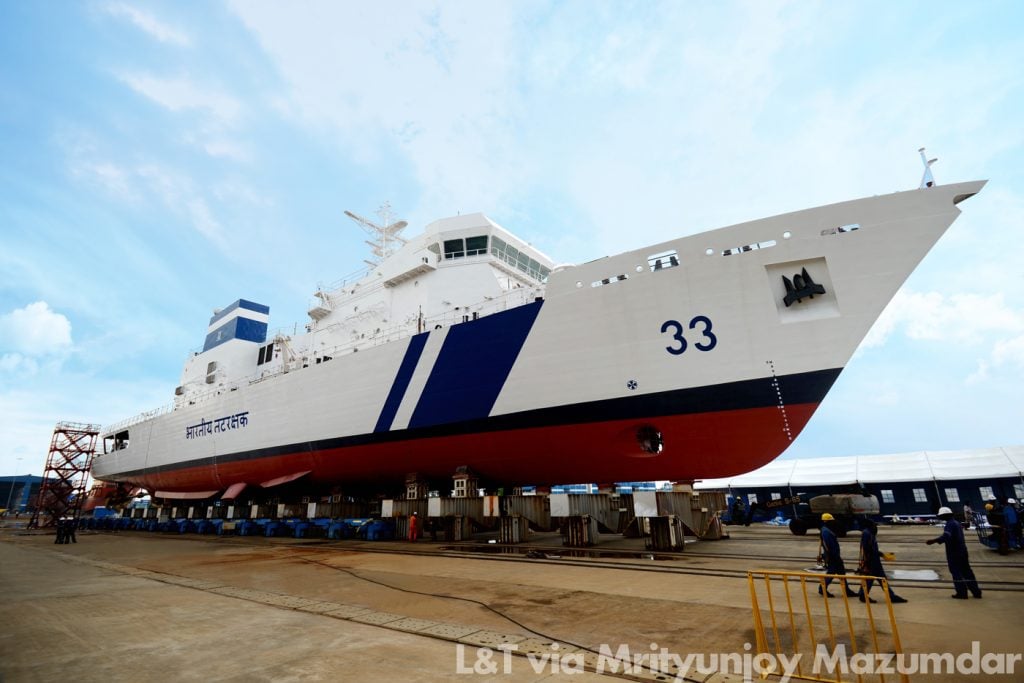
column 1012, row 521
column 831, row 556
column 60, row 532
column 997, row 521
column 414, row 527
column 69, row 530
column 968, row 515
column 738, row 512
column 956, row 556
column 871, row 561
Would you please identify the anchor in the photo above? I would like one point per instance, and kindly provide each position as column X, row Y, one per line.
column 799, row 287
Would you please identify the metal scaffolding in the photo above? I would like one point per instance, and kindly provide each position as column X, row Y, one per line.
column 67, row 469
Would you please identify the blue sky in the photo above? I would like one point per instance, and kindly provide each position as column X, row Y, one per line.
column 166, row 158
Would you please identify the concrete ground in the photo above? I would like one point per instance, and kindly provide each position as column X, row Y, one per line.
column 139, row 606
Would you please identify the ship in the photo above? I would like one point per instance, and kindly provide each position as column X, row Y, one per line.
column 466, row 349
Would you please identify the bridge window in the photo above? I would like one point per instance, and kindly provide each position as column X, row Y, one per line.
column 454, row 248
column 952, row 496
column 919, row 496
column 519, row 260
column 887, row 496
column 476, row 245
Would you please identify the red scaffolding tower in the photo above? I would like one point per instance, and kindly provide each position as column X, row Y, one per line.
column 67, row 469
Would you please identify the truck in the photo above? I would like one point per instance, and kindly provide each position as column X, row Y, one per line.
column 847, row 508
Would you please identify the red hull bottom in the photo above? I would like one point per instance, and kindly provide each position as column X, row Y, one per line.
column 696, row 446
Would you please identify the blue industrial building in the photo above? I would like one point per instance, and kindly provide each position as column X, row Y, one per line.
column 906, row 484
column 19, row 493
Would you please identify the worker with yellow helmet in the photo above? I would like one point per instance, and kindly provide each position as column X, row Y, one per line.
column 831, row 556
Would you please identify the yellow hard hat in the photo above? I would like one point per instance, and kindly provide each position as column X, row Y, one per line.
column 827, row 517
column 988, row 506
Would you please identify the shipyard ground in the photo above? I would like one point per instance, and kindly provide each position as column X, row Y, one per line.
column 136, row 606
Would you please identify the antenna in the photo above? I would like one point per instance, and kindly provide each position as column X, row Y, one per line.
column 386, row 235
column 927, row 180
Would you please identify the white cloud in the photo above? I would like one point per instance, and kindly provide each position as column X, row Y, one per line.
column 35, row 331
column 110, row 177
column 227, row 149
column 15, row 362
column 439, row 84
column 179, row 193
column 1007, row 356
column 182, row 94
column 966, row 319
column 149, row 24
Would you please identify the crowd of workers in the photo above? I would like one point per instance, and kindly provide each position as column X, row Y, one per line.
column 952, row 538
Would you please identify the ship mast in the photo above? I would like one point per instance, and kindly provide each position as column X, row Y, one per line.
column 386, row 235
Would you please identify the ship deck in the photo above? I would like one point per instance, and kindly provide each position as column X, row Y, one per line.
column 127, row 605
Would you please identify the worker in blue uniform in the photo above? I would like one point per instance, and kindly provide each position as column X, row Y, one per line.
column 871, row 561
column 831, row 556
column 956, row 556
column 1012, row 521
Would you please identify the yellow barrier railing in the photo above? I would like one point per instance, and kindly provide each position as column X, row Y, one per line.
column 788, row 622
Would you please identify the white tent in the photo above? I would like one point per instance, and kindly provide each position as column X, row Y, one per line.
column 775, row 473
column 981, row 463
column 1016, row 456
column 977, row 463
column 825, row 471
column 877, row 469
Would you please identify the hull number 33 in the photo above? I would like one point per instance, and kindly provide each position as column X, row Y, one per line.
column 701, row 326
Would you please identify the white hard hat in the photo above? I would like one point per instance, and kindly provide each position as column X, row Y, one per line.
column 1011, row 501
column 991, row 498
column 944, row 511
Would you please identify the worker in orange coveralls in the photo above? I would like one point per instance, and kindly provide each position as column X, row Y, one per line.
column 414, row 527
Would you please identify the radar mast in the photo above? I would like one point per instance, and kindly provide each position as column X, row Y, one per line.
column 386, row 234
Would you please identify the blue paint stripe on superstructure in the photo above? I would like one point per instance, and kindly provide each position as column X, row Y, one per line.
column 236, row 328
column 472, row 367
column 401, row 383
column 241, row 303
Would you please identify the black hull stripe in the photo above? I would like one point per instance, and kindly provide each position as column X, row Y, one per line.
column 808, row 387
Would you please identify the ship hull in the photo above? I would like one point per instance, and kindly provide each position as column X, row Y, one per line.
column 712, row 349
column 709, row 431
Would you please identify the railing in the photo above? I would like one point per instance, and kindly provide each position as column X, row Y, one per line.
column 790, row 625
column 128, row 422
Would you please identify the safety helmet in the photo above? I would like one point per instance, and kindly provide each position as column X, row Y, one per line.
column 1011, row 501
column 989, row 506
column 827, row 517
column 944, row 511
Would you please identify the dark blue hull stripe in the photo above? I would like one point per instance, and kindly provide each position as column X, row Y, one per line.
column 807, row 387
column 472, row 367
column 401, row 383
